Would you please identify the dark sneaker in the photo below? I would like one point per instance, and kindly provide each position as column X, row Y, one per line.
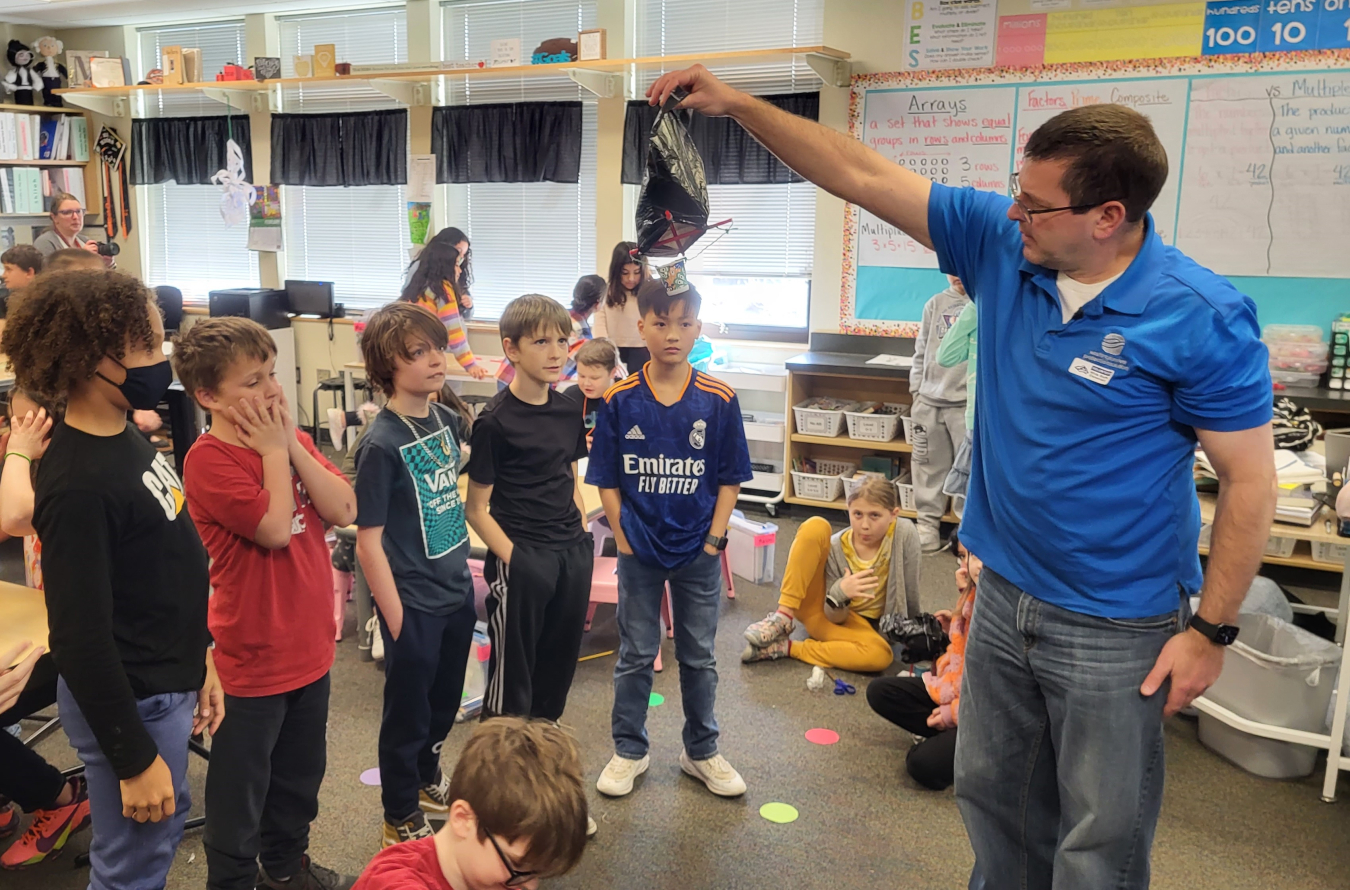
column 411, row 829
column 309, row 877
column 49, row 830
column 9, row 820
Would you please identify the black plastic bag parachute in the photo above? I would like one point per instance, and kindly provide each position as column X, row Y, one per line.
column 672, row 209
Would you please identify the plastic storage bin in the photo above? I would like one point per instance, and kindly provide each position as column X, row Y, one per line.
column 1295, row 378
column 905, row 491
column 750, row 549
column 1279, row 674
column 475, row 675
column 827, row 466
column 1332, row 554
column 876, row 427
column 819, row 421
column 1292, row 333
column 816, row 487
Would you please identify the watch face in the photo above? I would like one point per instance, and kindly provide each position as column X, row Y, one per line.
column 1225, row 634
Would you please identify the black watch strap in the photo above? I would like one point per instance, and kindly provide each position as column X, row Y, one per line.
column 714, row 541
column 1219, row 634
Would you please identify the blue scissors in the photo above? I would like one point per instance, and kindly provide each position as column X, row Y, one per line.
column 840, row 687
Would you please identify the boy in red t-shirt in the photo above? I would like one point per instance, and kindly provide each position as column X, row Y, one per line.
column 260, row 494
column 517, row 814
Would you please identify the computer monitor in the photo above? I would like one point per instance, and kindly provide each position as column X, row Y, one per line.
column 311, row 297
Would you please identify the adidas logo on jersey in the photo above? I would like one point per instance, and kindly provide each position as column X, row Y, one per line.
column 634, row 433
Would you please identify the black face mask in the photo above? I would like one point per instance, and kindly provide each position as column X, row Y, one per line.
column 145, row 386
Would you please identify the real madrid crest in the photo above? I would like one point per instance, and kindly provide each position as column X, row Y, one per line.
column 697, row 435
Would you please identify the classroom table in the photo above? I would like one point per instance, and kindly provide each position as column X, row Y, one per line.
column 23, row 616
column 1322, row 530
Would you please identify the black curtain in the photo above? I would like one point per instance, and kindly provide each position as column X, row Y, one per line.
column 185, row 150
column 731, row 156
column 350, row 148
column 507, row 142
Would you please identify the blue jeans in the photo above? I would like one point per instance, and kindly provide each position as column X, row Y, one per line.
column 695, row 595
column 1059, row 762
column 125, row 854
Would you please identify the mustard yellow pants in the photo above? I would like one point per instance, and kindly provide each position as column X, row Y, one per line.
column 851, row 646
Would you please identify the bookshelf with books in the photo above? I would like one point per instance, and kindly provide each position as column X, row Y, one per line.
column 44, row 151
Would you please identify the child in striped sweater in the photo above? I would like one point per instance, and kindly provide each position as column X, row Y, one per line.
column 432, row 285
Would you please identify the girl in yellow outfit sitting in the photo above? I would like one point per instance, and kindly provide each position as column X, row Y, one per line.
column 839, row 585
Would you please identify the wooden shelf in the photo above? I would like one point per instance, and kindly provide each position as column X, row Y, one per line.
column 839, row 504
column 1298, row 560
column 39, row 109
column 10, row 162
column 846, row 442
column 602, row 77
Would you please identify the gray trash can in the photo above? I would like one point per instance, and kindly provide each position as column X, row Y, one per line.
column 1279, row 674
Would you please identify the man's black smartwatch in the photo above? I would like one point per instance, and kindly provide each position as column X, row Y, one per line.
column 714, row 541
column 1219, row 634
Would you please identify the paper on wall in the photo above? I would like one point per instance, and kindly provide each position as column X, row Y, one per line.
column 421, row 178
column 950, row 34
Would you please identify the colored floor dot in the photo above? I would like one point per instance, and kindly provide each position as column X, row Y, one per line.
column 822, row 736
column 779, row 812
column 656, row 699
column 371, row 776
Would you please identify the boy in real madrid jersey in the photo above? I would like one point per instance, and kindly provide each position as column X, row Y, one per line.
column 414, row 546
column 669, row 457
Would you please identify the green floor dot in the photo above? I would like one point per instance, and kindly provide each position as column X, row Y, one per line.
column 656, row 699
column 779, row 812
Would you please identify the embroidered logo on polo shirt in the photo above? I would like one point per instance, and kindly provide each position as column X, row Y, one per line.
column 1113, row 344
column 697, row 435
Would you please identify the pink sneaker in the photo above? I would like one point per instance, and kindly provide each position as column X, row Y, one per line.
column 49, row 831
column 775, row 626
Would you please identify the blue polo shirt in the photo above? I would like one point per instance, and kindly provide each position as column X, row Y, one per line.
column 1081, row 489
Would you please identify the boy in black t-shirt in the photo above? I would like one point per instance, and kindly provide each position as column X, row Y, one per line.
column 414, row 550
column 596, row 364
column 526, row 443
column 125, row 573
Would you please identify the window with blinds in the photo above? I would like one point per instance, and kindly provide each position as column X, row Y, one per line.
column 532, row 237
column 356, row 238
column 220, row 42
column 187, row 244
column 756, row 278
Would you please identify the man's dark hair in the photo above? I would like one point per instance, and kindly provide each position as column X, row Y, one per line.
column 1112, row 154
column 23, row 256
column 653, row 297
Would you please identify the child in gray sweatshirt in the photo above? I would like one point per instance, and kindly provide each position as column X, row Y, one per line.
column 939, row 411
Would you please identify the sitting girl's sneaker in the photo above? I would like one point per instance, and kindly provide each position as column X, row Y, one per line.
column 9, row 819
column 779, row 648
column 49, row 830
column 776, row 625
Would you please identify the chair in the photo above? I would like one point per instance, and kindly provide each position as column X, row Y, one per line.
column 170, row 300
column 601, row 531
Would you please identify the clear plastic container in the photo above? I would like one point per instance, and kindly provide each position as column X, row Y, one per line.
column 1292, row 333
column 1295, row 378
column 1303, row 358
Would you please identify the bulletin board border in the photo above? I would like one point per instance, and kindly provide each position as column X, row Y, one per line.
column 1191, row 66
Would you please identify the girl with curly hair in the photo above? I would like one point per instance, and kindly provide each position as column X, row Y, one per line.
column 125, row 572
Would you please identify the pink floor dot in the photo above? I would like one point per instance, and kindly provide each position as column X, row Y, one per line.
column 371, row 776
column 822, row 736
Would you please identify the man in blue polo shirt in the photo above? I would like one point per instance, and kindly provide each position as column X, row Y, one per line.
column 1104, row 356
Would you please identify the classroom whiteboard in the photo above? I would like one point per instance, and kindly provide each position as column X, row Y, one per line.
column 1258, row 182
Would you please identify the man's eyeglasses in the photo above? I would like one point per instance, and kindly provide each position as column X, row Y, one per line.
column 76, row 212
column 1015, row 189
column 517, row 878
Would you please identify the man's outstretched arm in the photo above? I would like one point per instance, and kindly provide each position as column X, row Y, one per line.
column 842, row 166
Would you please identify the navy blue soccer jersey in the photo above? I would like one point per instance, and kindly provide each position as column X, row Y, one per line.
column 668, row 462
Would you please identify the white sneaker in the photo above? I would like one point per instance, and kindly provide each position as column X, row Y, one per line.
column 617, row 778
column 337, row 428
column 376, row 641
column 929, row 540
column 716, row 773
column 591, row 827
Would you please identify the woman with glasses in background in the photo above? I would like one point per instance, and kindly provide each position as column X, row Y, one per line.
column 67, row 223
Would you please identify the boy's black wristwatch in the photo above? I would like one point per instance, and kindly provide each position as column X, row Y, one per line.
column 1219, row 634
column 714, row 541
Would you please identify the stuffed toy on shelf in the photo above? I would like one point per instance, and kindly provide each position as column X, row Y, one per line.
column 50, row 70
column 22, row 81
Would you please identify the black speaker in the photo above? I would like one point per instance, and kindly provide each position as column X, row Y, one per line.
column 266, row 306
